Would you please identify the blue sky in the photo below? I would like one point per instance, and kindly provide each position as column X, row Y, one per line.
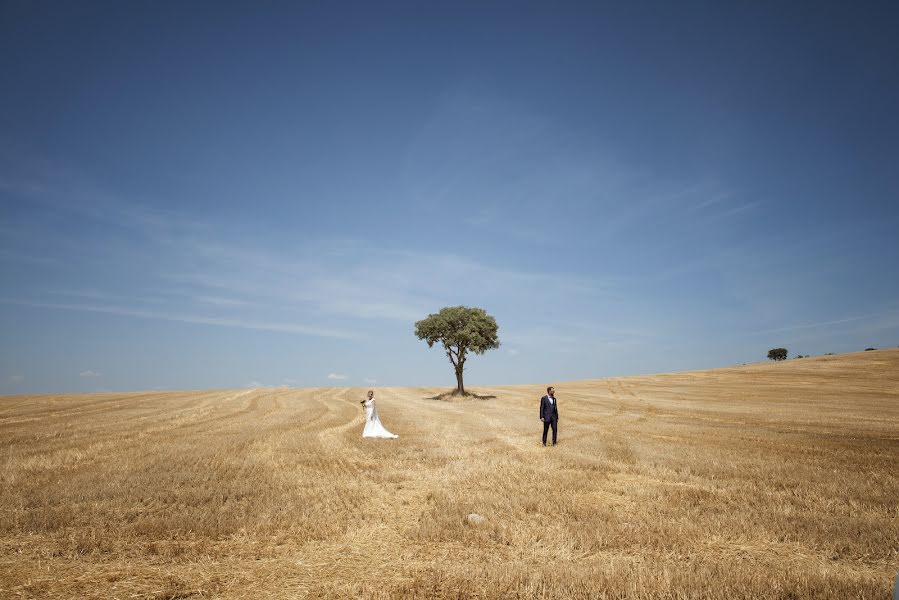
column 219, row 195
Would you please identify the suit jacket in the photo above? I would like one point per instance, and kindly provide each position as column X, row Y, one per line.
column 549, row 410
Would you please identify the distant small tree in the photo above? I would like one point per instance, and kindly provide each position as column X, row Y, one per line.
column 777, row 353
column 869, row 349
column 461, row 329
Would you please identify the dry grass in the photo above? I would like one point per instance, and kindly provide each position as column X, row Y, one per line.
column 764, row 481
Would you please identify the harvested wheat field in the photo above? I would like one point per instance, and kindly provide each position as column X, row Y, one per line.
column 762, row 481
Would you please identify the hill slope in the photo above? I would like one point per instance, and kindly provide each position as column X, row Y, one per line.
column 763, row 481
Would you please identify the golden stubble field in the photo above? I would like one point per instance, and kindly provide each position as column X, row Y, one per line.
column 761, row 481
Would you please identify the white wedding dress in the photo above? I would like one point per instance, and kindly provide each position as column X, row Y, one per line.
column 373, row 427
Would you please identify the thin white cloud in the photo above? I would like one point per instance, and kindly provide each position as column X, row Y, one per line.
column 210, row 276
column 205, row 275
column 16, row 378
column 370, row 380
column 643, row 206
column 88, row 294
column 810, row 325
column 737, row 210
column 223, row 322
column 381, row 283
column 712, row 201
column 100, row 296
column 63, row 192
column 336, row 376
column 219, row 301
column 19, row 257
column 89, row 373
column 568, row 336
column 545, row 338
column 823, row 323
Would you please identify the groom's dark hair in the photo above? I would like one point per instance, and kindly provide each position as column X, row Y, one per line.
column 548, row 389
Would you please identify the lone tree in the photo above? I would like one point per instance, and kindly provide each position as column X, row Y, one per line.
column 777, row 353
column 460, row 329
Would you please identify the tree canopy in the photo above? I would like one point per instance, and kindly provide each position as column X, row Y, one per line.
column 460, row 329
column 777, row 353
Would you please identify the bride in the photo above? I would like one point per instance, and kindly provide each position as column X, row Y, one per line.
column 373, row 427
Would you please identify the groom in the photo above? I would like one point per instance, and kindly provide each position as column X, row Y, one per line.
column 549, row 413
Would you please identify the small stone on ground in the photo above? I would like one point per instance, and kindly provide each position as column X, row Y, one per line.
column 475, row 519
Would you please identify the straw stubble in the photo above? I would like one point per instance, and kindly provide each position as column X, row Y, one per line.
column 763, row 481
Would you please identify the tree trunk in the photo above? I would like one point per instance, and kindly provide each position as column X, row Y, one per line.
column 460, row 388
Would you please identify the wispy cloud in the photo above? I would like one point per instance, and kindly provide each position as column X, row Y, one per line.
column 531, row 174
column 88, row 374
column 713, row 200
column 336, row 376
column 15, row 378
column 21, row 257
column 370, row 380
column 200, row 320
column 563, row 336
column 87, row 293
column 219, row 301
column 545, row 338
column 497, row 221
column 367, row 283
column 338, row 288
column 819, row 324
column 200, row 273
column 737, row 210
column 66, row 193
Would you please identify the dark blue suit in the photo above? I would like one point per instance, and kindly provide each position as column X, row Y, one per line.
column 549, row 412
